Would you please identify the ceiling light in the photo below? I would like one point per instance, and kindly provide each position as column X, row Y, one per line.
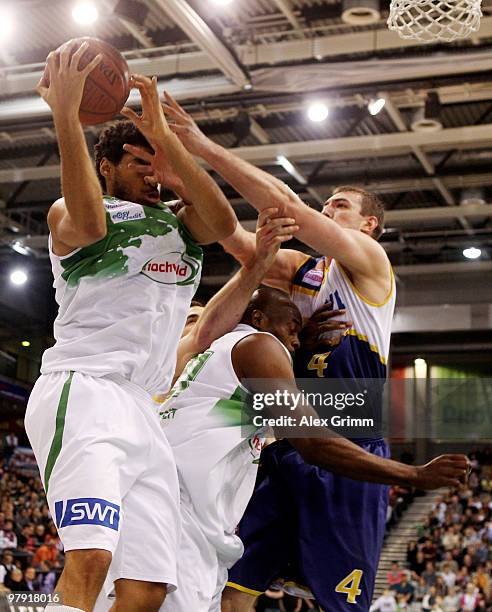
column 289, row 167
column 85, row 13
column 317, row 111
column 6, row 23
column 20, row 248
column 18, row 277
column 472, row 253
column 376, row 105
column 222, row 2
column 26, row 343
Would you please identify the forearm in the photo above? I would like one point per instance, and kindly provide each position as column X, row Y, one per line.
column 80, row 186
column 260, row 189
column 201, row 191
column 241, row 244
column 226, row 308
column 341, row 456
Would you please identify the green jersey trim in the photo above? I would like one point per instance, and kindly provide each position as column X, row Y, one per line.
column 56, row 444
column 232, row 410
column 107, row 259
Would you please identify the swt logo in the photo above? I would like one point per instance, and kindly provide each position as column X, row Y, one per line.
column 87, row 511
column 171, row 269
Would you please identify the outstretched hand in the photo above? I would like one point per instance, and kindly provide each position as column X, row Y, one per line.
column 323, row 329
column 443, row 471
column 152, row 121
column 271, row 232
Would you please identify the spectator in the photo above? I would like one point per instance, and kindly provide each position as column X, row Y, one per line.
column 8, row 561
column 385, row 603
column 419, row 566
column 412, row 550
column 46, row 552
column 405, row 589
column 11, row 443
column 469, row 600
column 429, row 575
column 30, row 579
column 429, row 600
column 8, row 539
column 395, row 575
column 448, row 576
column 451, row 602
column 47, row 578
column 15, row 581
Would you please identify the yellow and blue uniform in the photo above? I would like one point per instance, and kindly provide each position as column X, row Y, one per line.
column 323, row 530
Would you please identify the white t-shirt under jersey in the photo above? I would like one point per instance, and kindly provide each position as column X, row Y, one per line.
column 123, row 301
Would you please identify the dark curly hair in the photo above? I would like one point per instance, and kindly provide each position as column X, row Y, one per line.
column 111, row 141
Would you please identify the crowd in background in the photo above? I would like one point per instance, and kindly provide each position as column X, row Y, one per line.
column 449, row 563
column 31, row 554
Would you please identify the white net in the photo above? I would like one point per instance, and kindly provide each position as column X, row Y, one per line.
column 434, row 20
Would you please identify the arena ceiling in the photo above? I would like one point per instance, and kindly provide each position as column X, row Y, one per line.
column 247, row 72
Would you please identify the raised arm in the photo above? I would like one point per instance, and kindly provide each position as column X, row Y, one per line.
column 356, row 251
column 79, row 218
column 226, row 308
column 325, row 448
column 208, row 201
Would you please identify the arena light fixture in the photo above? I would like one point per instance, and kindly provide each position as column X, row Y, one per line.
column 376, row 105
column 18, row 277
column 472, row 253
column 420, row 367
column 85, row 13
column 222, row 2
column 289, row 167
column 6, row 23
column 26, row 343
column 18, row 247
column 317, row 111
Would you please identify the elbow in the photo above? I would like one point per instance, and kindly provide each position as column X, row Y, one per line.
column 203, row 338
column 94, row 230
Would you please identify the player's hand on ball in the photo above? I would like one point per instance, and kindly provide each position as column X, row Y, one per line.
column 181, row 123
column 66, row 81
column 152, row 122
column 323, row 329
column 271, row 232
column 443, row 471
column 156, row 169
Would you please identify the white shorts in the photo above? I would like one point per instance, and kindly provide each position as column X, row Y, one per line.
column 108, row 471
column 201, row 575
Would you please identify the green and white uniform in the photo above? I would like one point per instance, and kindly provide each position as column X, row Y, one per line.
column 106, row 465
column 216, row 455
column 123, row 301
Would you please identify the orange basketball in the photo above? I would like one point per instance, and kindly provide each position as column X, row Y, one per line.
column 107, row 87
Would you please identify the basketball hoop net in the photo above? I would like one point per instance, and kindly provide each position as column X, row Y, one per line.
column 434, row 20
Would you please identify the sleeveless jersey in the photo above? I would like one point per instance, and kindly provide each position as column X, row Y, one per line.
column 123, row 301
column 216, row 455
column 362, row 352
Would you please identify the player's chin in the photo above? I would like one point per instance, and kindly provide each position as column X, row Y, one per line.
column 150, row 199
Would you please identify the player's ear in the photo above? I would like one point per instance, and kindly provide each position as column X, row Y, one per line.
column 258, row 319
column 369, row 224
column 105, row 167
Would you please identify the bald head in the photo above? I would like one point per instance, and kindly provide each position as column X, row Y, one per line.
column 271, row 310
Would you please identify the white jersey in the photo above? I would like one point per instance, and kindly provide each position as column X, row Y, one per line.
column 215, row 455
column 364, row 349
column 123, row 301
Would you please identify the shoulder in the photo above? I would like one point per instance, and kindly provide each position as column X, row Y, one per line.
column 260, row 355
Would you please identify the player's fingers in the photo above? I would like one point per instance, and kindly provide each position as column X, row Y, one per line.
column 139, row 152
column 327, row 314
column 179, row 129
column 265, row 216
column 171, row 112
column 333, row 325
column 174, row 105
column 65, row 54
column 129, row 113
column 41, row 87
column 78, row 54
column 92, row 64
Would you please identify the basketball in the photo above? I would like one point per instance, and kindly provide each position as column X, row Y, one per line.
column 107, row 87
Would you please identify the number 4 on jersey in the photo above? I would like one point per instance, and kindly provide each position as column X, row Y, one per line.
column 353, row 579
column 318, row 363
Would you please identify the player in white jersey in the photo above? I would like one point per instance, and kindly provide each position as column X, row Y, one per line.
column 125, row 270
column 217, row 449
